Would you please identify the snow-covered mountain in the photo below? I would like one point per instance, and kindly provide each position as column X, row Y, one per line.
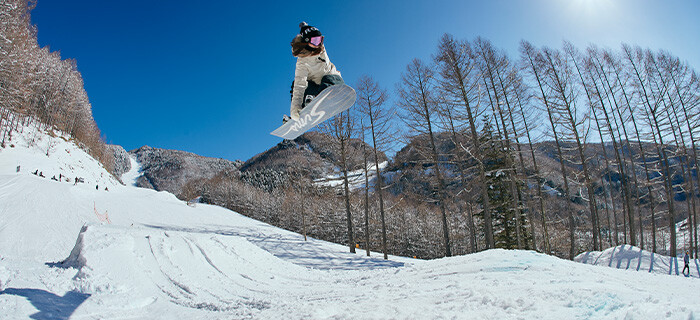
column 102, row 250
column 170, row 170
column 314, row 153
column 122, row 161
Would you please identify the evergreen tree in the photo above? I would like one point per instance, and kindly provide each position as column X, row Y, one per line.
column 499, row 174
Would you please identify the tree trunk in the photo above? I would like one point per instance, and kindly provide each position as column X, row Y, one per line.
column 644, row 160
column 569, row 115
column 366, row 190
column 438, row 177
column 538, row 181
column 529, row 51
column 452, row 61
column 463, row 177
column 497, row 111
column 351, row 239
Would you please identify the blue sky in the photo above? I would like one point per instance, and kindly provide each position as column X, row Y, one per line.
column 213, row 77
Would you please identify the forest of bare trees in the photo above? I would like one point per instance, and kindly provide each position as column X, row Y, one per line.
column 39, row 89
column 623, row 126
column 559, row 150
column 556, row 150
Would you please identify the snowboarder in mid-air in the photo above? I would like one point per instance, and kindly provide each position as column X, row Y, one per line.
column 318, row 91
column 314, row 70
column 686, row 260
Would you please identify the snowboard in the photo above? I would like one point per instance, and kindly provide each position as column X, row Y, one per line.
column 331, row 101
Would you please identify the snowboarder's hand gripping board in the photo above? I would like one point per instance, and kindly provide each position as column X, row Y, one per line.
column 331, row 101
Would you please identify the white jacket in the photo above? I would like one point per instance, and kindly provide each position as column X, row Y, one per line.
column 310, row 68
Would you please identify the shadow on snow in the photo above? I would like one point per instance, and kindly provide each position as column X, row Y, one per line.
column 50, row 306
column 291, row 247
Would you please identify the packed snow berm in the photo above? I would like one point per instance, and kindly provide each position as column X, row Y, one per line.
column 101, row 250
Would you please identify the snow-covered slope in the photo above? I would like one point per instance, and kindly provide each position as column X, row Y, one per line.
column 29, row 151
column 135, row 253
column 356, row 178
column 632, row 258
column 130, row 178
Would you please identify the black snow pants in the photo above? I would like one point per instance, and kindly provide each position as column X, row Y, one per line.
column 314, row 89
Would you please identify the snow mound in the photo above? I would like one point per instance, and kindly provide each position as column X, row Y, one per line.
column 76, row 258
column 140, row 267
column 633, row 258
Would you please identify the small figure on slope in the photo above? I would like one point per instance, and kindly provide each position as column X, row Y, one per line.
column 314, row 70
column 686, row 260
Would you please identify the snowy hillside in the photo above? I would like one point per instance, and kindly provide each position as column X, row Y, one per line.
column 356, row 178
column 29, row 150
column 134, row 253
column 632, row 258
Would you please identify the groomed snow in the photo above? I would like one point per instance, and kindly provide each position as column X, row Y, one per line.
column 134, row 253
column 129, row 178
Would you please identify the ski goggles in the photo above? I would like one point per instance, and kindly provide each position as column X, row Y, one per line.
column 317, row 41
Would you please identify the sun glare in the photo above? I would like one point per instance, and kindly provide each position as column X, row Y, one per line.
column 592, row 12
column 592, row 7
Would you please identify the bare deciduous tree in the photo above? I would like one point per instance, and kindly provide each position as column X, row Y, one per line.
column 371, row 99
column 342, row 127
column 416, row 98
column 459, row 86
column 536, row 62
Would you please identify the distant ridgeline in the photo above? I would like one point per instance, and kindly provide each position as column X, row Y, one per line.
column 38, row 88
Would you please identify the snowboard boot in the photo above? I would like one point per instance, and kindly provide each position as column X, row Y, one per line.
column 285, row 118
column 308, row 99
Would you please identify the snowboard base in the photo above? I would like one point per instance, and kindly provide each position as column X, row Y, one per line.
column 331, row 101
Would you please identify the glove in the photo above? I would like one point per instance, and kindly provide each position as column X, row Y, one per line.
column 294, row 113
